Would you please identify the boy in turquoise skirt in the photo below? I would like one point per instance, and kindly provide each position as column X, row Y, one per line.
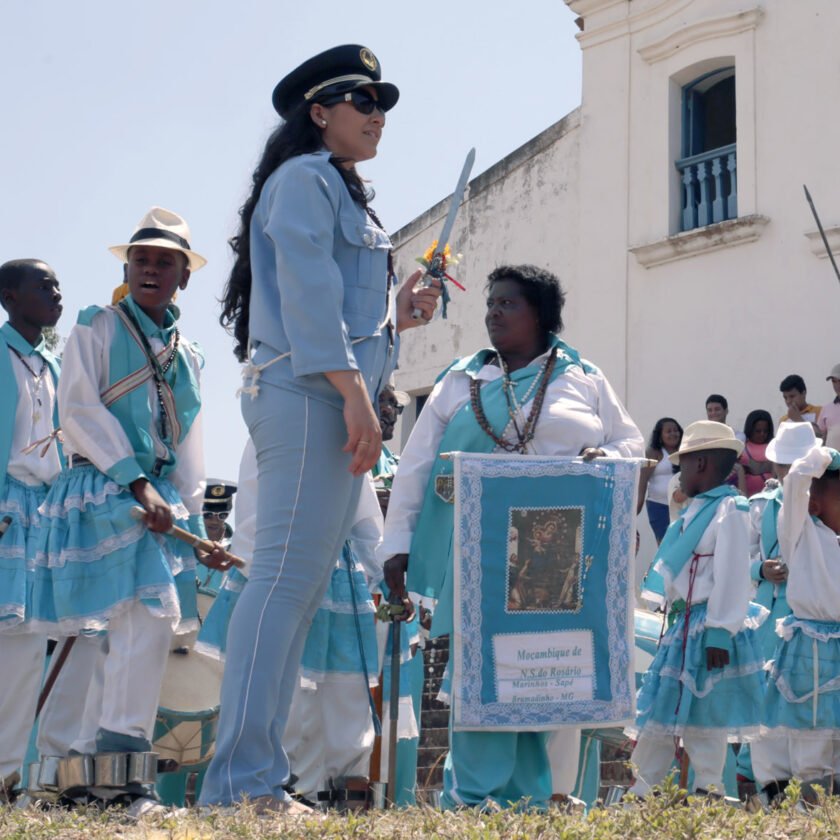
column 29, row 461
column 704, row 686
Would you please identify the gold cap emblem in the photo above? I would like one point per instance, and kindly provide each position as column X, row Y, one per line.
column 217, row 490
column 368, row 59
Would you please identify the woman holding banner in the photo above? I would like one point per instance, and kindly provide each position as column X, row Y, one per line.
column 528, row 393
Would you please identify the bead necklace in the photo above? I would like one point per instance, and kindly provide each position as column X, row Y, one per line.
column 526, row 434
column 38, row 381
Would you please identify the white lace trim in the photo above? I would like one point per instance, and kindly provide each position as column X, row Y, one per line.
column 786, row 631
column 734, row 735
column 309, row 678
column 94, row 622
column 208, row 650
column 90, row 555
column 21, row 517
column 345, row 608
column 13, row 552
column 787, row 692
column 79, row 501
column 713, row 677
column 800, row 734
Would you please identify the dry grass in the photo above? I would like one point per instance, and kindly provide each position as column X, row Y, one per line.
column 654, row 818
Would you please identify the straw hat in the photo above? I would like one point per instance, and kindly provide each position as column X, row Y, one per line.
column 792, row 441
column 162, row 229
column 707, row 434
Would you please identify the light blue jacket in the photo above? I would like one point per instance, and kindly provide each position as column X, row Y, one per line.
column 320, row 280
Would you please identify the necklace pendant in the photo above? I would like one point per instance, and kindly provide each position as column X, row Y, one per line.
column 36, row 416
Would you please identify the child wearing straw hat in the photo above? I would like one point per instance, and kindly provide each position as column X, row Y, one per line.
column 704, row 685
column 29, row 462
column 131, row 420
column 802, row 704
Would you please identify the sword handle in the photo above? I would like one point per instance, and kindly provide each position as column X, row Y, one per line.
column 425, row 282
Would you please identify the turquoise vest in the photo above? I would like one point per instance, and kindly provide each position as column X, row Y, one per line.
column 134, row 409
column 10, row 337
column 430, row 557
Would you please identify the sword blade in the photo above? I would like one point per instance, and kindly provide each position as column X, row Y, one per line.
column 455, row 202
column 822, row 232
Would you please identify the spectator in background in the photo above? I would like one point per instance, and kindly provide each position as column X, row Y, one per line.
column 653, row 487
column 828, row 422
column 717, row 407
column 795, row 395
column 758, row 432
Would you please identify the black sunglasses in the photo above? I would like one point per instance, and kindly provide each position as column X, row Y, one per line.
column 361, row 100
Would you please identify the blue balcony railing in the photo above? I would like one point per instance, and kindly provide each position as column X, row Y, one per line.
column 709, row 188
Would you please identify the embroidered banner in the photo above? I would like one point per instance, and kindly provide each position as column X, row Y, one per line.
column 543, row 607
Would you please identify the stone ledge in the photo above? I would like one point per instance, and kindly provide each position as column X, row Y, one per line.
column 690, row 243
column 703, row 30
column 832, row 234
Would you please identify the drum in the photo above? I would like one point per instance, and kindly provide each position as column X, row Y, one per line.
column 188, row 712
column 647, row 627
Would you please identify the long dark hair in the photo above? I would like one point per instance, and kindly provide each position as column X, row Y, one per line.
column 754, row 417
column 298, row 135
column 656, row 435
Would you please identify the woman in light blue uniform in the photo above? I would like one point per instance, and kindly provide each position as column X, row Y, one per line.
column 311, row 302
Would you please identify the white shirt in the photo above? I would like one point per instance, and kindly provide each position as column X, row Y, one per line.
column 580, row 411
column 33, row 421
column 809, row 546
column 723, row 574
column 90, row 430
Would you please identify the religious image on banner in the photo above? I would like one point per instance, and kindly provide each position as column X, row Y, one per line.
column 545, row 559
column 543, row 606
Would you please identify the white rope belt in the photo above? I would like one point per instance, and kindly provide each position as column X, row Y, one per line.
column 253, row 372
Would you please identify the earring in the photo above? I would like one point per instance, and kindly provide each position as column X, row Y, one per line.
column 323, row 122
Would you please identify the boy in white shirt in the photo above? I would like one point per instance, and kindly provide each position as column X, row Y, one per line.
column 705, row 684
column 802, row 703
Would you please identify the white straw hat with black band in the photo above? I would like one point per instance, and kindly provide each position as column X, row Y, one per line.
column 161, row 228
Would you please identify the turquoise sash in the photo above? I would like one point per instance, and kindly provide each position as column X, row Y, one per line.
column 133, row 409
column 430, row 558
column 678, row 545
column 769, row 523
column 10, row 337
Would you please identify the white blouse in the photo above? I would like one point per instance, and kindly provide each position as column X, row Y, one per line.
column 809, row 546
column 580, row 411
column 33, row 422
column 723, row 568
column 90, row 430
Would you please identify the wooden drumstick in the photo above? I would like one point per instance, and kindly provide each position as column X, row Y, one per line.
column 191, row 539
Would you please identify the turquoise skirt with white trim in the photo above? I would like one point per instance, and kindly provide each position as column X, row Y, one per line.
column 93, row 559
column 679, row 698
column 18, row 545
column 803, row 691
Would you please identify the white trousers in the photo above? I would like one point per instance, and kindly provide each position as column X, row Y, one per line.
column 21, row 666
column 564, row 756
column 130, row 670
column 770, row 760
column 807, row 759
column 61, row 718
column 653, row 758
column 329, row 733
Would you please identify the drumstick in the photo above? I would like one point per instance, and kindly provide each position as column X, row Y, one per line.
column 196, row 542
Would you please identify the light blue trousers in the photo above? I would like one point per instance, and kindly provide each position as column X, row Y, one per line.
column 509, row 768
column 306, row 502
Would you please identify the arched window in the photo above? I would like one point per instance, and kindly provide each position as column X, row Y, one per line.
column 708, row 175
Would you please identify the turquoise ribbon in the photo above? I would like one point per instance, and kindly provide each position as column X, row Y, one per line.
column 678, row 545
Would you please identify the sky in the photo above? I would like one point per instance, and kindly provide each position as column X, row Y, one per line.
column 112, row 107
